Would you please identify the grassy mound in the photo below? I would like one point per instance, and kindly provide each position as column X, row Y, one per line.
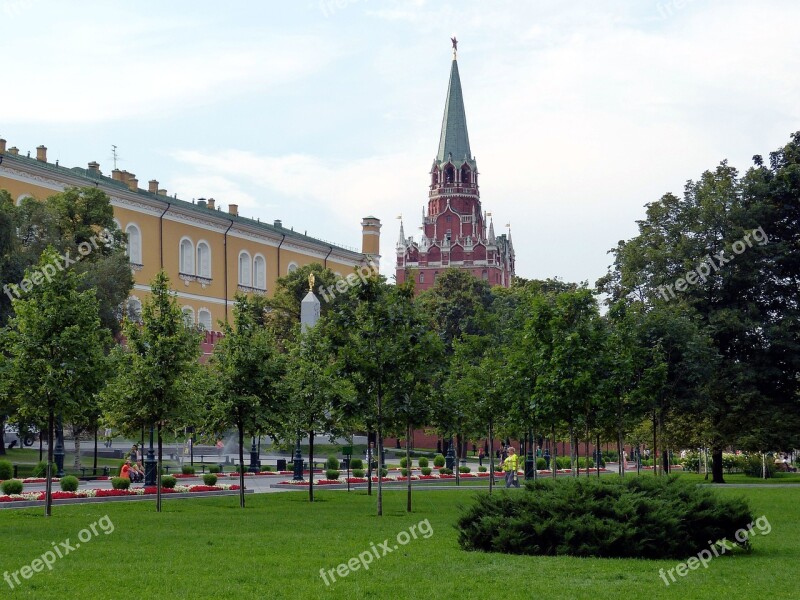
column 642, row 517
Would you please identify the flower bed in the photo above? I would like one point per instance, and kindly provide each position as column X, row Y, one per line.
column 93, row 493
column 316, row 482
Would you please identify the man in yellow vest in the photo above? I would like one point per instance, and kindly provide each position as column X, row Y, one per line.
column 510, row 467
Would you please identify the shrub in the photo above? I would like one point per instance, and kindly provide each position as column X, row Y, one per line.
column 482, row 469
column 643, row 517
column 69, row 483
column 332, row 474
column 464, row 469
column 498, row 468
column 439, row 461
column 40, row 470
column 423, row 462
column 609, row 456
column 120, row 483
column 210, row 479
column 426, row 470
column 563, row 462
column 11, row 486
column 541, row 464
column 6, row 470
column 332, row 463
column 445, row 471
column 582, row 462
column 404, row 472
column 358, row 473
column 168, row 481
column 187, row 470
column 403, row 463
column 214, row 469
column 245, row 468
column 753, row 467
column 290, row 466
column 356, row 463
column 384, row 471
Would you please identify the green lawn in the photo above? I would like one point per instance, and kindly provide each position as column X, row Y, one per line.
column 209, row 548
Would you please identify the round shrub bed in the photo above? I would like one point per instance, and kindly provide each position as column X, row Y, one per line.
column 638, row 517
column 11, row 486
column 69, row 483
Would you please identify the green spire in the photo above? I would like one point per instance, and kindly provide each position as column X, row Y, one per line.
column 454, row 138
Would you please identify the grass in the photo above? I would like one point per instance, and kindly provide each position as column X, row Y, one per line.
column 209, row 548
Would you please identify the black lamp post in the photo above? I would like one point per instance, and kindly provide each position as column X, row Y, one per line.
column 298, row 463
column 150, row 463
column 253, row 457
column 58, row 450
column 530, row 471
column 450, row 459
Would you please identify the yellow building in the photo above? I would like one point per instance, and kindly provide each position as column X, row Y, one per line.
column 209, row 254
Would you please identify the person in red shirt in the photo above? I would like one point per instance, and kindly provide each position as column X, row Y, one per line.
column 125, row 471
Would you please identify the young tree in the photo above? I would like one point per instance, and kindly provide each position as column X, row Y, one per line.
column 245, row 368
column 315, row 388
column 56, row 346
column 156, row 369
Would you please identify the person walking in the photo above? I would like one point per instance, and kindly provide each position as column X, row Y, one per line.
column 510, row 465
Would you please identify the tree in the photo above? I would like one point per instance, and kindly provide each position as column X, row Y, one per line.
column 154, row 384
column 315, row 389
column 725, row 251
column 245, row 369
column 57, row 349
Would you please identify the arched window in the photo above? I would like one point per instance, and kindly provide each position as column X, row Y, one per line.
column 259, row 272
column 187, row 257
column 203, row 260
column 22, row 197
column 465, row 174
column 204, row 319
column 134, row 244
column 449, row 174
column 245, row 269
column 188, row 316
column 292, row 268
column 485, row 275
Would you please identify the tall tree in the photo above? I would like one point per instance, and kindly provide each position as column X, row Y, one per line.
column 57, row 349
column 155, row 370
column 246, row 368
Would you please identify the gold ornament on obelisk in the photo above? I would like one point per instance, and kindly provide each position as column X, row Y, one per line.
column 310, row 282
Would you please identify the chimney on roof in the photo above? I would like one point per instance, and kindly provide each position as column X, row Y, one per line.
column 233, row 209
column 152, row 186
column 41, row 153
column 13, row 150
column 2, row 146
column 162, row 192
column 94, row 168
column 117, row 175
column 277, row 223
column 211, row 203
column 201, row 203
column 133, row 183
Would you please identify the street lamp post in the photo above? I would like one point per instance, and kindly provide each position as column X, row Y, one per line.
column 150, row 463
column 530, row 471
column 450, row 459
column 253, row 457
column 298, row 462
column 58, row 450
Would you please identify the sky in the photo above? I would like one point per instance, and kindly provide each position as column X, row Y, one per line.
column 321, row 112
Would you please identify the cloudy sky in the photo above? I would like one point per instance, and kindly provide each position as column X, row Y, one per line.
column 320, row 112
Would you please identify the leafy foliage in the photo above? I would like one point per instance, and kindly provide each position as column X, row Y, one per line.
column 642, row 517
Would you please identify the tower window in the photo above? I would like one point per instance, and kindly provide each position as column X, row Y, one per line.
column 422, row 277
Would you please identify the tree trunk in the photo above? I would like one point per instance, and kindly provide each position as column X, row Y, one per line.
column 599, row 455
column 2, row 437
column 457, row 470
column 586, row 453
column 491, row 457
column 379, row 444
column 620, row 450
column 48, row 486
column 76, row 440
column 716, row 466
column 554, row 455
column 572, row 460
column 311, row 466
column 158, row 469
column 94, row 462
column 408, row 464
column 654, row 451
column 241, row 464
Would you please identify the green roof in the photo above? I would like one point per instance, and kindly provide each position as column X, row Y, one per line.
column 454, row 139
